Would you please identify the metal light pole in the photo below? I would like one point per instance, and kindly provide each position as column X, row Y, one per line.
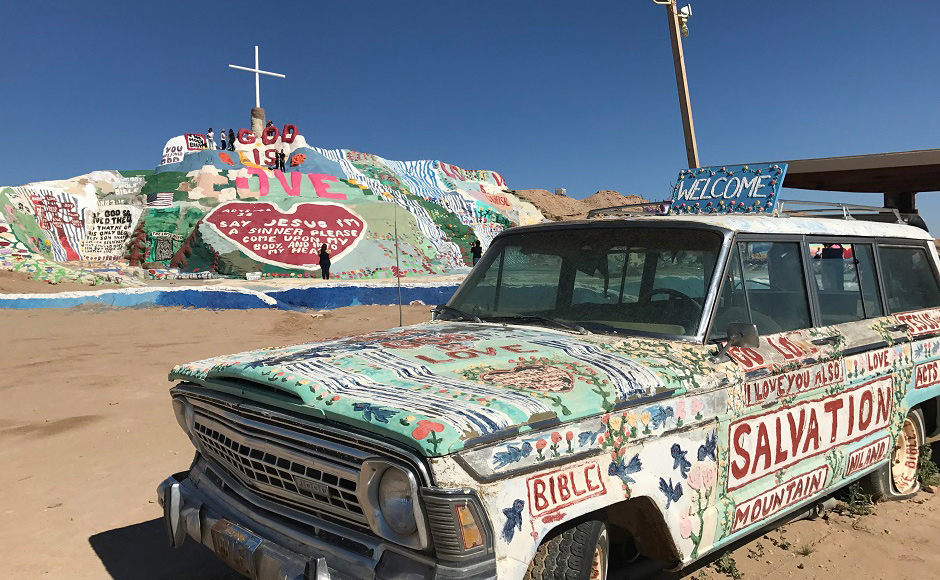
column 677, row 25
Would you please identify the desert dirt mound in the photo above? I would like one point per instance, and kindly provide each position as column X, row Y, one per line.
column 562, row 207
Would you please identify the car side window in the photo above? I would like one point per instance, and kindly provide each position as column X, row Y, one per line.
column 845, row 283
column 765, row 287
column 908, row 277
column 732, row 303
column 775, row 286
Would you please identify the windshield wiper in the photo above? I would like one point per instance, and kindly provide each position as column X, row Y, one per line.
column 461, row 315
column 543, row 319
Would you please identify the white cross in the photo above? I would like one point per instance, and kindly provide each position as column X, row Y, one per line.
column 257, row 70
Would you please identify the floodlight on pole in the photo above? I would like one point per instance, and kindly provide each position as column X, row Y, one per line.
column 678, row 27
column 684, row 16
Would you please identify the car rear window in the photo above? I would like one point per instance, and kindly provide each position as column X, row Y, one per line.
column 909, row 280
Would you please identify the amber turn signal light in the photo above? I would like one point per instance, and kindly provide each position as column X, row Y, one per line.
column 469, row 530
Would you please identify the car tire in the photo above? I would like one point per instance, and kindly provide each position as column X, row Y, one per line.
column 579, row 552
column 897, row 479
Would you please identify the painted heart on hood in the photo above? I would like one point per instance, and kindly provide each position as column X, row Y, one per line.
column 534, row 377
column 288, row 238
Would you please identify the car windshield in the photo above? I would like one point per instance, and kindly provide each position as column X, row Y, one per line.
column 641, row 280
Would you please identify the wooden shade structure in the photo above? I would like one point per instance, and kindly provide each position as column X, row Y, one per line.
column 899, row 176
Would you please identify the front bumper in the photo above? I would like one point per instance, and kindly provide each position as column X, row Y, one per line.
column 268, row 550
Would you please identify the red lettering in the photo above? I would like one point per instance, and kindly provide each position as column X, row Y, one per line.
column 563, row 492
column 812, row 432
column 832, row 407
column 471, row 352
column 574, row 483
column 516, row 348
column 884, row 404
column 554, row 490
column 794, row 431
column 289, row 133
column 270, row 135
column 538, row 493
column 786, row 347
column 864, row 415
column 246, row 137
column 739, row 471
column 762, row 449
column 747, row 357
column 269, row 156
column 853, row 465
column 587, row 478
column 781, row 454
column 428, row 359
column 463, row 354
column 851, row 415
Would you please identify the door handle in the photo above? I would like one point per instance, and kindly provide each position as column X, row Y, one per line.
column 832, row 339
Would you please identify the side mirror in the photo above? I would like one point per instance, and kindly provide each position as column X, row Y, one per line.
column 739, row 334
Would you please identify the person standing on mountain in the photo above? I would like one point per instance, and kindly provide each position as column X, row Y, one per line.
column 476, row 251
column 325, row 262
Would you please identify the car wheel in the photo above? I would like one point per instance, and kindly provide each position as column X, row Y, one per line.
column 579, row 552
column 898, row 479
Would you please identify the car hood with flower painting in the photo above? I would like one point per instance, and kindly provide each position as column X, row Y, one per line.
column 443, row 386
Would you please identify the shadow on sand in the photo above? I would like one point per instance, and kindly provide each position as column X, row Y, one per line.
column 140, row 552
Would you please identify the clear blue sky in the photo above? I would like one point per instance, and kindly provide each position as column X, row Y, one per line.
column 552, row 94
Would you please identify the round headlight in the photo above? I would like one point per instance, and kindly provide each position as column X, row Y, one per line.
column 396, row 501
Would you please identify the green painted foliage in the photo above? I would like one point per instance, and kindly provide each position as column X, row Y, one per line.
column 163, row 182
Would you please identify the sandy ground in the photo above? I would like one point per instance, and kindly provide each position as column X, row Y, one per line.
column 87, row 432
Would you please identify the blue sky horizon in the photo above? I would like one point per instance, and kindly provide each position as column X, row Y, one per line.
column 550, row 94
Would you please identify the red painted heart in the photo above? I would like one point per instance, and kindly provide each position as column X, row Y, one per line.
column 292, row 238
column 534, row 377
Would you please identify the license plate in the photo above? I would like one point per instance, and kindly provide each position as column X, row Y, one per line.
column 236, row 546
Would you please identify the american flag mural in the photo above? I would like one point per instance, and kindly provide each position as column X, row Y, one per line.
column 159, row 199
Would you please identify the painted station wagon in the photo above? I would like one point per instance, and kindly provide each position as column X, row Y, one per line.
column 654, row 385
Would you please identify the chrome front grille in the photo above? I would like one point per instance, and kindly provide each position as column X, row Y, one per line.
column 315, row 476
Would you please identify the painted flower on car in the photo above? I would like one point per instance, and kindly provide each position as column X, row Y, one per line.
column 425, row 428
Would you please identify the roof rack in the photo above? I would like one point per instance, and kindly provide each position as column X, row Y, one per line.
column 832, row 210
column 785, row 208
column 650, row 208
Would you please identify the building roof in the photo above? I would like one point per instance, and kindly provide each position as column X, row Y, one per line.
column 899, row 172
